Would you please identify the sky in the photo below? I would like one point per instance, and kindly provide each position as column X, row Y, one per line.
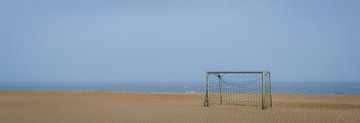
column 178, row 40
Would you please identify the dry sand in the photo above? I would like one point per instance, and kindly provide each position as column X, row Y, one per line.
column 109, row 107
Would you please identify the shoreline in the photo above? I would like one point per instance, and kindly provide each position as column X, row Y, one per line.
column 154, row 92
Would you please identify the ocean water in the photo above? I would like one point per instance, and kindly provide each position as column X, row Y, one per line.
column 180, row 87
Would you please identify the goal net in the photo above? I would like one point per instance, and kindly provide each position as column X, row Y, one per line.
column 238, row 88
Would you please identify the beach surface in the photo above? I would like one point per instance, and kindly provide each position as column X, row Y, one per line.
column 114, row 107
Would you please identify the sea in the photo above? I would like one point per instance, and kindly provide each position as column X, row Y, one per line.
column 179, row 87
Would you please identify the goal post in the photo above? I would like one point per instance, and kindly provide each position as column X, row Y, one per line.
column 238, row 88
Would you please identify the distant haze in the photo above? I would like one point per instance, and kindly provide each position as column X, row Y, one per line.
column 178, row 41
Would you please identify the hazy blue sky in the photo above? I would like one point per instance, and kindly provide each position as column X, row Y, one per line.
column 165, row 40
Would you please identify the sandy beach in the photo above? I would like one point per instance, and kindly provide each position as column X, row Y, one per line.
column 111, row 107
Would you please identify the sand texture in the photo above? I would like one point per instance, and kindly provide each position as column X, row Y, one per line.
column 110, row 107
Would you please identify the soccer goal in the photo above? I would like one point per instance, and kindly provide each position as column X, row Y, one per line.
column 238, row 88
